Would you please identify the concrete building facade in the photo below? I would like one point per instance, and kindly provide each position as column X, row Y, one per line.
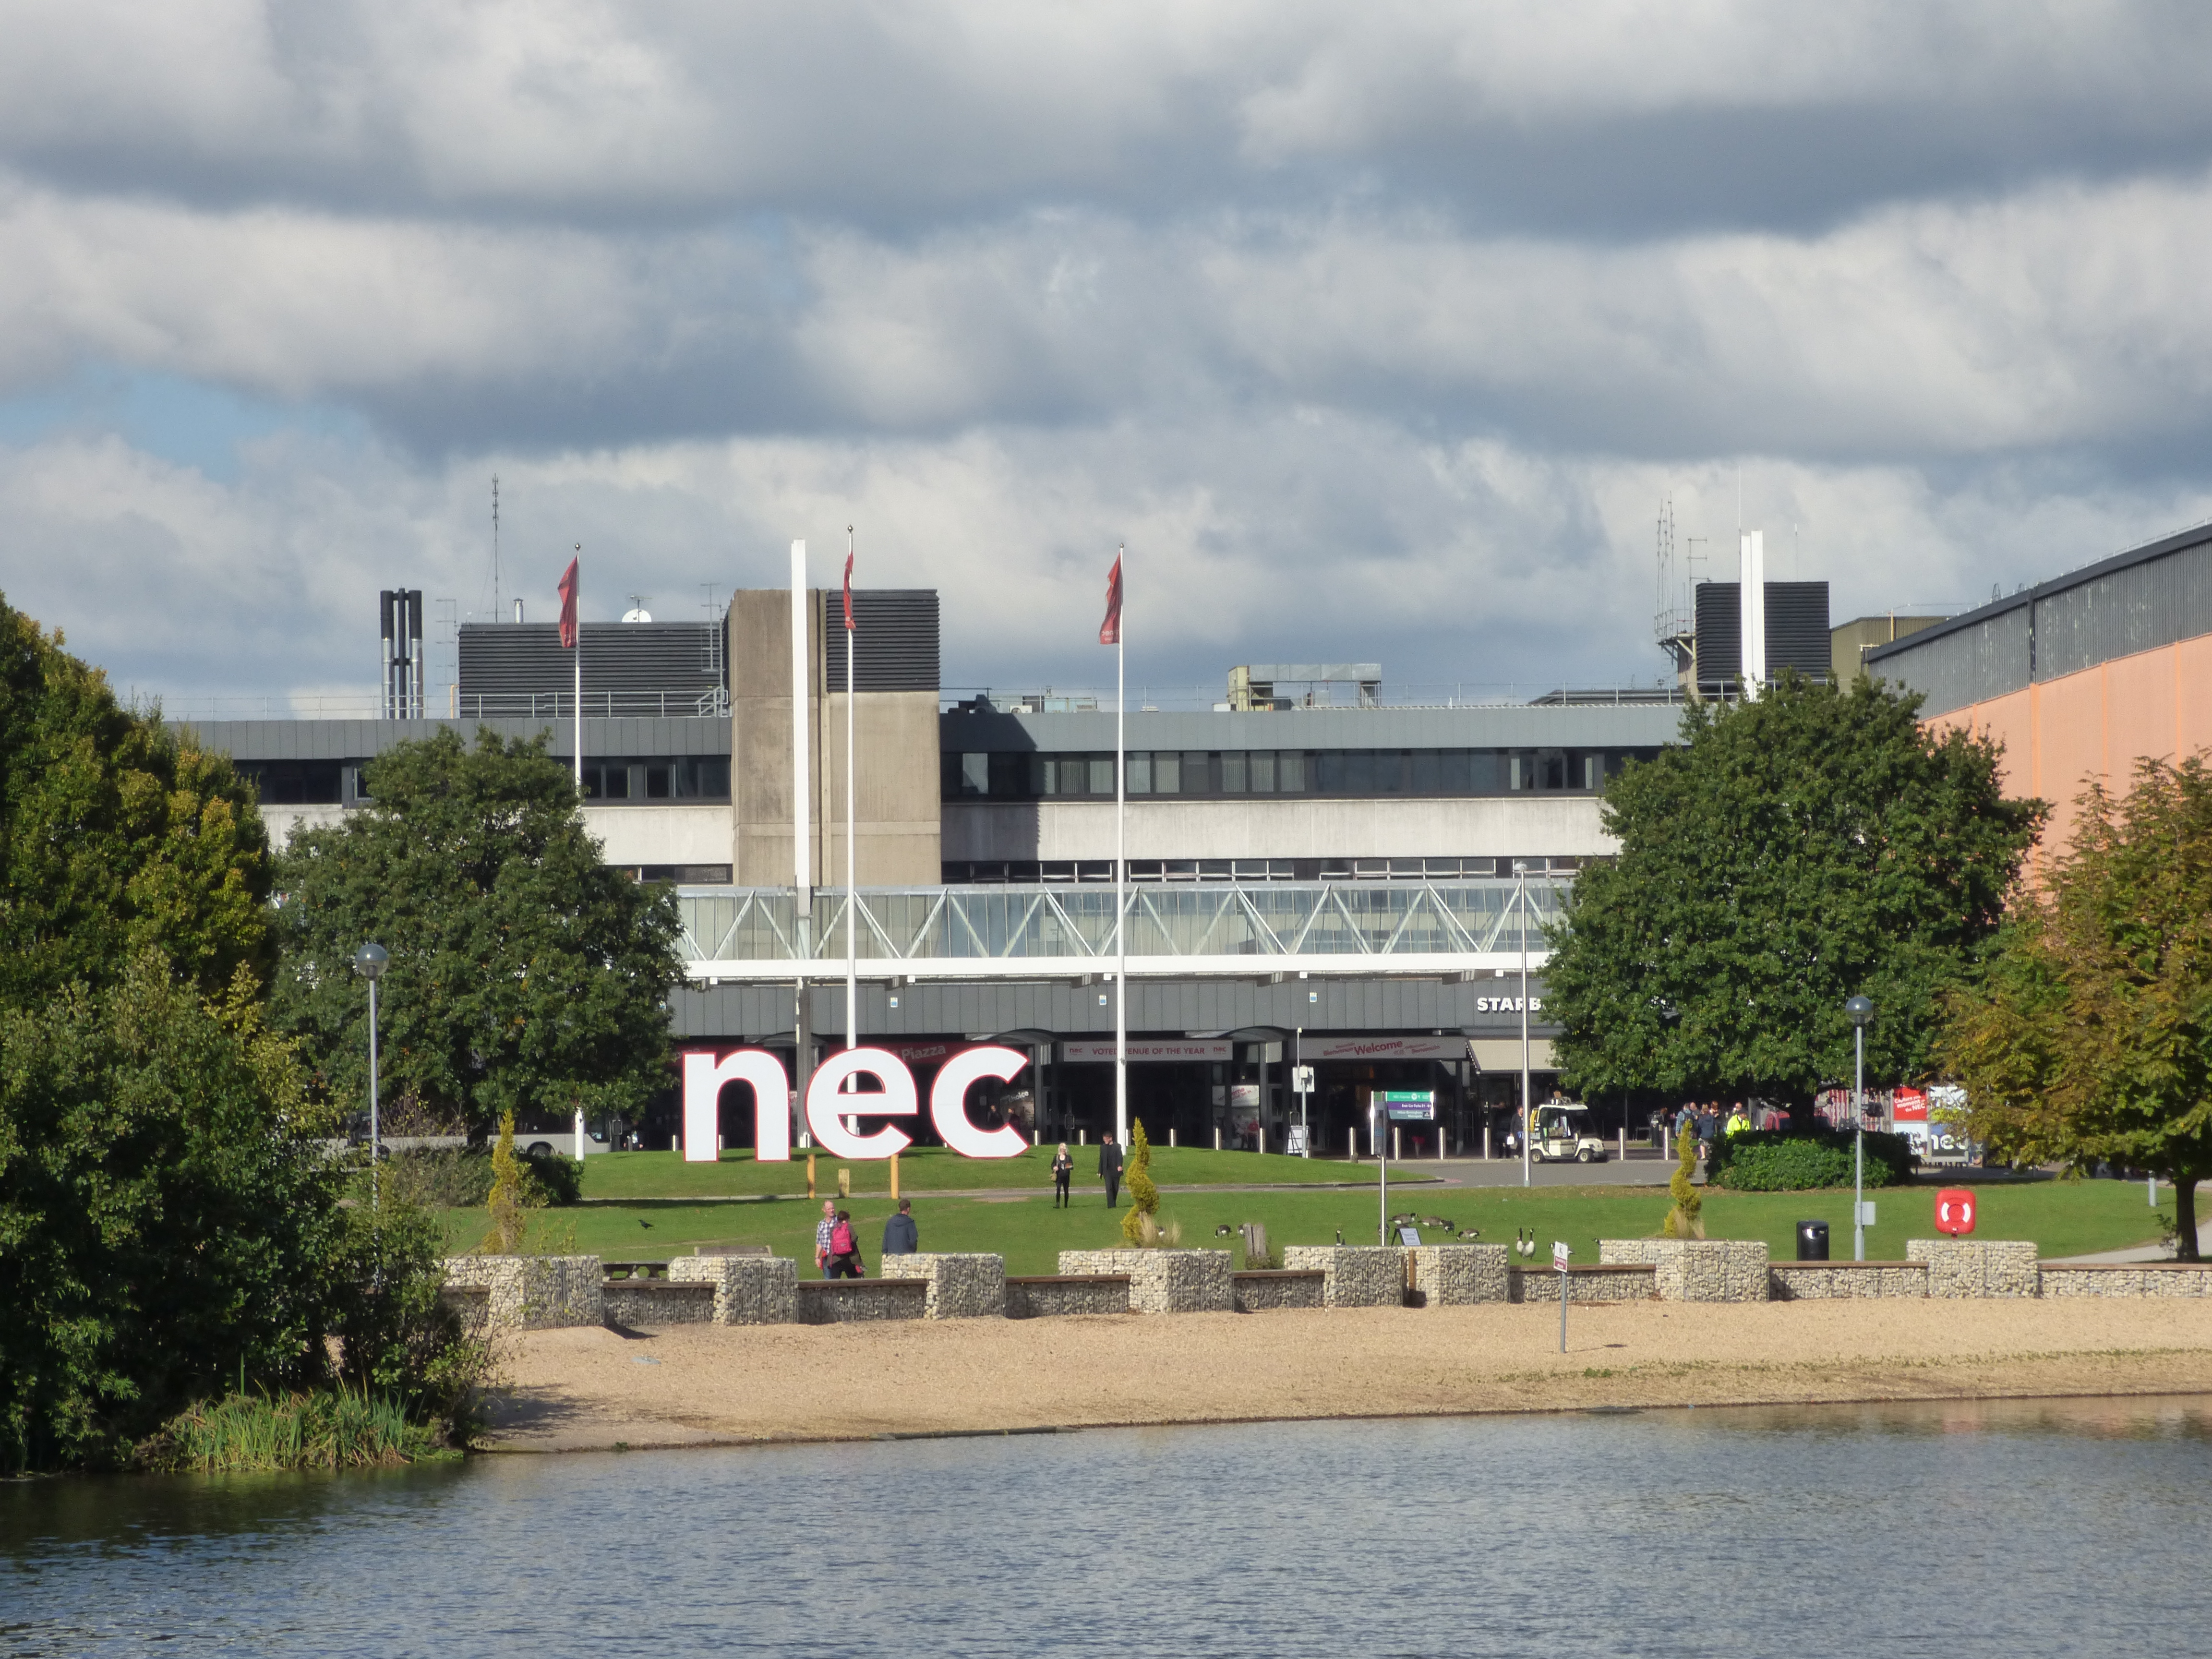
column 1363, row 888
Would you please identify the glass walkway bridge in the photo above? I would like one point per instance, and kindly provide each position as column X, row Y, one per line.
column 1467, row 926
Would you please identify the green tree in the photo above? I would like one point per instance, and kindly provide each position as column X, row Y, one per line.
column 524, row 975
column 116, row 836
column 1792, row 852
column 2091, row 1039
column 1143, row 1192
column 168, row 1217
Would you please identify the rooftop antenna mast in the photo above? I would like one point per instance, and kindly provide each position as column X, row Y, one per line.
column 495, row 547
column 1673, row 627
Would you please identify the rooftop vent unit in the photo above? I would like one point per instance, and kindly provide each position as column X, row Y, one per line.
column 1304, row 685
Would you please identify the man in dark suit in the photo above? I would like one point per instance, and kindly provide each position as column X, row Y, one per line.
column 1110, row 1168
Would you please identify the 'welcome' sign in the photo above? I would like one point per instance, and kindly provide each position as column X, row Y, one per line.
column 705, row 1078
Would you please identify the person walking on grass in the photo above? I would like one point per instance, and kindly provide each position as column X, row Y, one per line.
column 900, row 1236
column 822, row 1229
column 1110, row 1168
column 845, row 1249
column 1063, row 1172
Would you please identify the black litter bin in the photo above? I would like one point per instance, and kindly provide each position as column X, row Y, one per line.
column 1812, row 1241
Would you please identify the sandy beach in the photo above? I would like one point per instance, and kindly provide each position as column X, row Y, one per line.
column 595, row 1388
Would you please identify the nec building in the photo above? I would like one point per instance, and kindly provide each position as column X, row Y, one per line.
column 1316, row 876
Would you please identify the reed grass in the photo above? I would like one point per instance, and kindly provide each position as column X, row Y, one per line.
column 315, row 1429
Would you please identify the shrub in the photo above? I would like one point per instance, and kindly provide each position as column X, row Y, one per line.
column 506, row 1199
column 399, row 1338
column 1765, row 1161
column 1682, row 1220
column 551, row 1178
column 460, row 1178
column 1139, row 1225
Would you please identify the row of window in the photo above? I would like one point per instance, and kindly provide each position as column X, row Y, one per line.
column 1030, row 873
column 663, row 777
column 607, row 778
column 1353, row 773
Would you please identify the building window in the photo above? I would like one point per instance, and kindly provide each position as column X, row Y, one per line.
column 1140, row 773
column 1101, row 774
column 1291, row 772
column 1232, row 771
column 1167, row 772
column 1263, row 773
column 975, row 774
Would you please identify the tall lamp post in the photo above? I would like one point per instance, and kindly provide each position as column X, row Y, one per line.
column 1521, row 913
column 1861, row 1014
column 369, row 962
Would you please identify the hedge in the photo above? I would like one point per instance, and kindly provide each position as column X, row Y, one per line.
column 1789, row 1161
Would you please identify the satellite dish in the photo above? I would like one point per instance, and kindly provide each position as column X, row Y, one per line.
column 637, row 616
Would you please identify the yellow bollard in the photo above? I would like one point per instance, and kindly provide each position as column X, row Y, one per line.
column 844, row 1183
column 895, row 1177
column 810, row 1175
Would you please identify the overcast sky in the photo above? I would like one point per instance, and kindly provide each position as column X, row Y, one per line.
column 1376, row 332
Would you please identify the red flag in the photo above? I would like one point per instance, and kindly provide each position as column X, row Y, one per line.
column 1109, row 631
column 849, row 592
column 568, row 585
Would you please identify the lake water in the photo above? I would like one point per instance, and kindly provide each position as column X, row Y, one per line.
column 2012, row 1529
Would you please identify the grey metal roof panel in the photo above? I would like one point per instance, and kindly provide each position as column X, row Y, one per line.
column 359, row 739
column 2165, row 547
column 1513, row 726
column 736, row 1013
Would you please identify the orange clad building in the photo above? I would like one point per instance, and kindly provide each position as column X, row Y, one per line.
column 2081, row 677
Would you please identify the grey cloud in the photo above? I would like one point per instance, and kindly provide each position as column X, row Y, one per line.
column 1588, row 119
column 1468, row 567
column 2060, row 317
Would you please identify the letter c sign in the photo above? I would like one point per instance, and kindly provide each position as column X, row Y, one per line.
column 827, row 1106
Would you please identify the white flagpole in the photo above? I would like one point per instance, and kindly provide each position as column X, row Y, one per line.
column 580, row 667
column 852, row 863
column 1121, row 872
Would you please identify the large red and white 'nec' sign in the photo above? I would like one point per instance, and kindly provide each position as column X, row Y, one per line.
column 705, row 1078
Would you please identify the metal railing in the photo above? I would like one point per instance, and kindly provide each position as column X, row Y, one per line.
column 738, row 932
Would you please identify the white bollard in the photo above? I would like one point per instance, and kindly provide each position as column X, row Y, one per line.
column 1352, row 1143
column 1083, row 1136
column 1172, row 1135
column 1397, row 1145
column 1261, row 1143
column 1217, row 1137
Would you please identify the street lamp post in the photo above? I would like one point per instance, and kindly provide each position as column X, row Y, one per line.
column 1521, row 914
column 369, row 962
column 1861, row 1013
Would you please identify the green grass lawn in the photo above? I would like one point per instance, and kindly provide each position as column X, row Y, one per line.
column 2062, row 1218
column 933, row 1169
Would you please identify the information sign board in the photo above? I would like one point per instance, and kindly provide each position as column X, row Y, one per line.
column 1559, row 1254
column 1406, row 1105
column 1410, row 1236
column 1294, row 1140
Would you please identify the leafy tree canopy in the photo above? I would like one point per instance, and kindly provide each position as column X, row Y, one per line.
column 525, row 975
column 168, row 1218
column 2091, row 1039
column 115, row 836
column 1793, row 851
